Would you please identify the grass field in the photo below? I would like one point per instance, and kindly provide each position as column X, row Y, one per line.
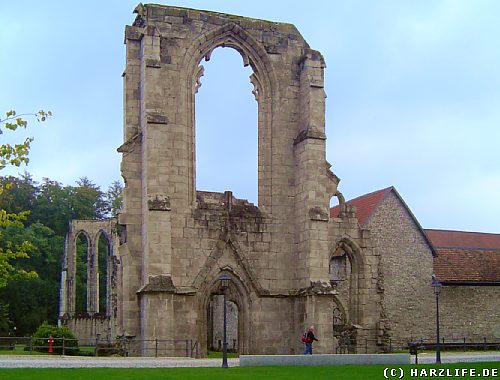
column 251, row 373
column 218, row 355
column 19, row 350
column 89, row 351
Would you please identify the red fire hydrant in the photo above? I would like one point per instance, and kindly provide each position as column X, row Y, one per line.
column 51, row 342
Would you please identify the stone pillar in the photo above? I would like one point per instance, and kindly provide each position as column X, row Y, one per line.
column 315, row 183
column 67, row 292
column 92, row 278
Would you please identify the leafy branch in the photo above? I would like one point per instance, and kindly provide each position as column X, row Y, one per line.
column 17, row 154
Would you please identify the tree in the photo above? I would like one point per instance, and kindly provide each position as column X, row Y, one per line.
column 56, row 205
column 114, row 199
column 51, row 206
column 10, row 252
column 19, row 194
column 14, row 155
column 5, row 322
column 34, row 300
column 18, row 154
column 87, row 200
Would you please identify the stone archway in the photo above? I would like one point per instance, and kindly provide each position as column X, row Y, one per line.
column 103, row 266
column 236, row 293
column 82, row 274
column 349, row 251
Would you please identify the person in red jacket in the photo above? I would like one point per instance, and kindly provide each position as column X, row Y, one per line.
column 310, row 338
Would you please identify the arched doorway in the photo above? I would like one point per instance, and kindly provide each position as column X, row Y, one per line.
column 210, row 312
column 347, row 273
column 215, row 329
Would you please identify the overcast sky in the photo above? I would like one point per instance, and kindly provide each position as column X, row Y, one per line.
column 413, row 97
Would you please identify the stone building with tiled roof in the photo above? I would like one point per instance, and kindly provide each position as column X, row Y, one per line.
column 466, row 258
column 466, row 263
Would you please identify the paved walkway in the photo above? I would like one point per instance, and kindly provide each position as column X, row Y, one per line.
column 459, row 357
column 40, row 361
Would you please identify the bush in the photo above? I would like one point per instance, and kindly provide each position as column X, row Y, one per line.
column 61, row 335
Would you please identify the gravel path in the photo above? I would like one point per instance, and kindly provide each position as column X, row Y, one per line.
column 95, row 362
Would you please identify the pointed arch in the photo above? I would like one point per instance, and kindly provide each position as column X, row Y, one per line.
column 82, row 273
column 337, row 304
column 353, row 251
column 77, row 234
column 252, row 52
column 265, row 90
column 103, row 272
column 357, row 280
column 239, row 293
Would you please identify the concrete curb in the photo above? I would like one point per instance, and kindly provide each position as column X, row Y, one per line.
column 323, row 359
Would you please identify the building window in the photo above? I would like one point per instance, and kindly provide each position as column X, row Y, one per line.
column 338, row 266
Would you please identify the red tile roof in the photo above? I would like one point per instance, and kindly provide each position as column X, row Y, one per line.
column 461, row 239
column 462, row 265
column 466, row 257
column 365, row 205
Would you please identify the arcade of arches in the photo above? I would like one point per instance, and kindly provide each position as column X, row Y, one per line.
column 89, row 278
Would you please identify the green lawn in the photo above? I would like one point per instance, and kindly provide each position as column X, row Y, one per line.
column 19, row 350
column 218, row 355
column 89, row 351
column 250, row 373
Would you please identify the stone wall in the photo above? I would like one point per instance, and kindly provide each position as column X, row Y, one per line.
column 470, row 312
column 406, row 269
column 217, row 324
column 88, row 329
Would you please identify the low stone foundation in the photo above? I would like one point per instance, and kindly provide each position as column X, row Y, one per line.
column 313, row 360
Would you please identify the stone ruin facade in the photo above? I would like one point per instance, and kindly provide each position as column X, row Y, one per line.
column 91, row 322
column 175, row 240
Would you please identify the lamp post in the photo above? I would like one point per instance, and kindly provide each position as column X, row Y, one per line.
column 437, row 290
column 224, row 280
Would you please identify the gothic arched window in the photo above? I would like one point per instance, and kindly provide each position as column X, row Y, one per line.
column 338, row 266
